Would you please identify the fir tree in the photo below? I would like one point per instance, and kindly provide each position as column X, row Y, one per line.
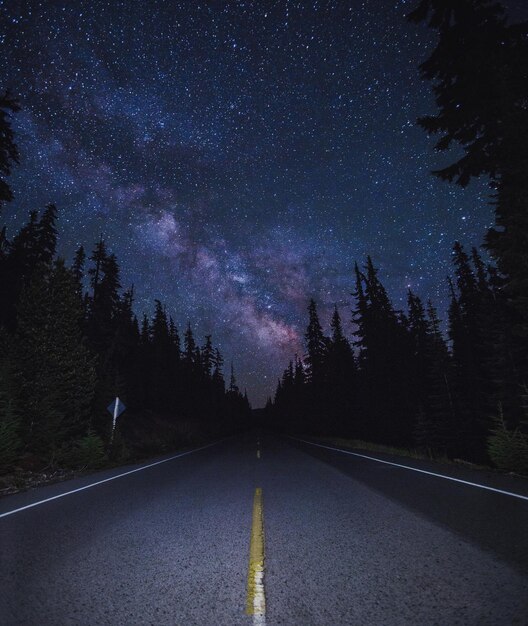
column 174, row 338
column 55, row 369
column 207, row 357
column 479, row 71
column 316, row 347
column 77, row 267
column 18, row 267
column 341, row 379
column 218, row 377
column 189, row 346
column 233, row 387
column 47, row 235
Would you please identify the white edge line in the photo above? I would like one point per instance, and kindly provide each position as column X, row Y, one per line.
column 415, row 469
column 100, row 482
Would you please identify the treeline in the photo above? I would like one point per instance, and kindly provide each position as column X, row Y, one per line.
column 70, row 342
column 402, row 383
column 398, row 383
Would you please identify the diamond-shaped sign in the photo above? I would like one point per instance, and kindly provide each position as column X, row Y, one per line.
column 116, row 407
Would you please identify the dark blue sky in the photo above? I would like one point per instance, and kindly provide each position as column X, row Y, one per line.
column 237, row 156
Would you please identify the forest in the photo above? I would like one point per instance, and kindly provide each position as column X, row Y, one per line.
column 399, row 381
column 70, row 342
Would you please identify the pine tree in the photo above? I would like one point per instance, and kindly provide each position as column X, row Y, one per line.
column 218, row 377
column 419, row 336
column 316, row 346
column 189, row 346
column 161, row 353
column 47, row 235
column 233, row 387
column 479, row 71
column 103, row 306
column 77, row 267
column 384, row 344
column 207, row 357
column 341, row 379
column 174, row 338
column 145, row 330
column 21, row 262
column 470, row 346
column 55, row 369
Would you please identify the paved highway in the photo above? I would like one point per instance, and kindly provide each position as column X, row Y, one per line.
column 348, row 540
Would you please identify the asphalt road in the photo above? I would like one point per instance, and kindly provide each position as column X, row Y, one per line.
column 348, row 540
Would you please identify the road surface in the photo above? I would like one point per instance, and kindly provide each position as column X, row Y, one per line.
column 348, row 540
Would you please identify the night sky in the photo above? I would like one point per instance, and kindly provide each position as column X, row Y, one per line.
column 238, row 157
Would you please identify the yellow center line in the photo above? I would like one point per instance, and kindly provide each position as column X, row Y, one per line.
column 255, row 599
column 258, row 454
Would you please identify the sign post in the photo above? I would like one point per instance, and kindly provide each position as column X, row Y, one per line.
column 115, row 408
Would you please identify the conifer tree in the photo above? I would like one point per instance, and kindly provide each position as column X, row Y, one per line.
column 207, row 357
column 474, row 387
column 77, row 267
column 47, row 235
column 189, row 346
column 384, row 350
column 55, row 369
column 419, row 336
column 441, row 414
column 174, row 338
column 341, row 379
column 218, row 377
column 316, row 346
column 161, row 353
column 21, row 262
column 233, row 387
column 479, row 71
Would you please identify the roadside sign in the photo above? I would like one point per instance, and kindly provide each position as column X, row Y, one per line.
column 115, row 408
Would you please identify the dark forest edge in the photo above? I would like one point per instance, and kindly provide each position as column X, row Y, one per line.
column 401, row 383
column 70, row 343
column 402, row 386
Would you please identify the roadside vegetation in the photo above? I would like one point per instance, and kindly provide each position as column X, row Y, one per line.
column 71, row 342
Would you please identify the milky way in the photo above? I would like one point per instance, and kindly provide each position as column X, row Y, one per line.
column 238, row 157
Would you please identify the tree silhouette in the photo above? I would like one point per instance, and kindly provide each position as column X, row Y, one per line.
column 479, row 71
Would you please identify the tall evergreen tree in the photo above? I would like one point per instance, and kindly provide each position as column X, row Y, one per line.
column 174, row 338
column 218, row 377
column 54, row 367
column 479, row 71
column 47, row 235
column 189, row 346
column 78, row 267
column 316, row 346
column 341, row 379
column 30, row 252
column 441, row 434
column 470, row 345
column 233, row 387
column 207, row 357
column 384, row 350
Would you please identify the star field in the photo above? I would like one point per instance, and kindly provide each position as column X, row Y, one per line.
column 238, row 157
